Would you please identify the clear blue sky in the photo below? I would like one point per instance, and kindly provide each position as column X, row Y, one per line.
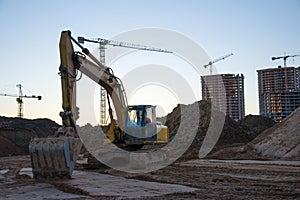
column 253, row 30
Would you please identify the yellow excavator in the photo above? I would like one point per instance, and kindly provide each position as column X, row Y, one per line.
column 136, row 125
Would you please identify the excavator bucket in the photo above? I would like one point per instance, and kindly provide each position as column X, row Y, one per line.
column 54, row 158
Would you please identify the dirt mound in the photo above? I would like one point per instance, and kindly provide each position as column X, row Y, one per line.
column 253, row 125
column 233, row 133
column 239, row 152
column 33, row 125
column 280, row 141
column 8, row 148
column 19, row 131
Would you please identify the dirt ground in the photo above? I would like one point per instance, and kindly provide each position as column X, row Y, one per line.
column 212, row 179
column 231, row 180
column 262, row 162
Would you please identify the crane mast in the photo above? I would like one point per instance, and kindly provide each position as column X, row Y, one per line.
column 210, row 63
column 20, row 102
column 102, row 43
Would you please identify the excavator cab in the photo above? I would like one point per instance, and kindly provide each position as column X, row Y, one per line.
column 140, row 127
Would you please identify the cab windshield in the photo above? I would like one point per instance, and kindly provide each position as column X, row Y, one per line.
column 140, row 116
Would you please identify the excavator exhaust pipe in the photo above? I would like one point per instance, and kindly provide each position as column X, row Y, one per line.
column 54, row 158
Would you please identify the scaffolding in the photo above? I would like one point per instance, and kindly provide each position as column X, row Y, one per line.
column 279, row 92
column 227, row 92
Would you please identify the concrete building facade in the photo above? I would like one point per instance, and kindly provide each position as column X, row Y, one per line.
column 279, row 91
column 227, row 92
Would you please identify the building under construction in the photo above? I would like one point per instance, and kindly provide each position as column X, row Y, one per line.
column 279, row 91
column 227, row 92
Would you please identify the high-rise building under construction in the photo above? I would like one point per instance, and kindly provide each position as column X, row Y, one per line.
column 227, row 92
column 279, row 91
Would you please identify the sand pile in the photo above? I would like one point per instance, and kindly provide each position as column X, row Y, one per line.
column 280, row 141
column 233, row 133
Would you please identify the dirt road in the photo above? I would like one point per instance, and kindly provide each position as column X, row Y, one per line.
column 232, row 179
column 195, row 179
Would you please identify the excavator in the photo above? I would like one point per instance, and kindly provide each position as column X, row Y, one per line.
column 55, row 157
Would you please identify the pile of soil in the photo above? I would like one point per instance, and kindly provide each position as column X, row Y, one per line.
column 33, row 125
column 253, row 125
column 17, row 133
column 233, row 133
column 281, row 141
column 7, row 148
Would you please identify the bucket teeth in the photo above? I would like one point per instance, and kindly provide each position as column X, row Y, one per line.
column 54, row 158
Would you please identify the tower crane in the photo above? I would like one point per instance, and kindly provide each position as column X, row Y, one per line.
column 19, row 99
column 102, row 43
column 285, row 57
column 210, row 63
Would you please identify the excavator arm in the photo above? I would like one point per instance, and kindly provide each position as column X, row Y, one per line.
column 67, row 72
column 72, row 61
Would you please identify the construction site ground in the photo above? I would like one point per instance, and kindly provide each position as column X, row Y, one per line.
column 194, row 179
column 253, row 159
